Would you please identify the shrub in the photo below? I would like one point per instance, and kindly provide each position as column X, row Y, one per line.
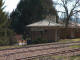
column 39, row 41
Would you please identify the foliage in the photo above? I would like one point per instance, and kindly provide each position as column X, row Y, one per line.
column 48, row 7
column 69, row 40
column 29, row 11
column 39, row 41
column 5, row 31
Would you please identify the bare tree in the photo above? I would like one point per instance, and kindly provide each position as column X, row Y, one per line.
column 70, row 8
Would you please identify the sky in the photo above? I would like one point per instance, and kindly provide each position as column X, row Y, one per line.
column 10, row 5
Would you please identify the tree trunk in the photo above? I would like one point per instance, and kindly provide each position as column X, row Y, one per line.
column 57, row 18
column 67, row 21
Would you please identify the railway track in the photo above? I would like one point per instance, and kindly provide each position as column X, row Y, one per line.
column 39, row 50
column 30, row 55
column 38, row 47
column 70, row 52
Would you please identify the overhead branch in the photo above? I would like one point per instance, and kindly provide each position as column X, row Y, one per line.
column 71, row 13
column 75, row 5
column 76, row 11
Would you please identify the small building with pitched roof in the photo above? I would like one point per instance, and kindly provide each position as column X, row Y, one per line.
column 45, row 29
column 52, row 31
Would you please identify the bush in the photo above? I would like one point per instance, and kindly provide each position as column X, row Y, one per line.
column 39, row 41
column 4, row 41
column 8, row 40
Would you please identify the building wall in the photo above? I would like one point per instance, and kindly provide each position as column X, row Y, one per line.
column 47, row 34
column 69, row 33
column 77, row 33
column 55, row 34
column 66, row 33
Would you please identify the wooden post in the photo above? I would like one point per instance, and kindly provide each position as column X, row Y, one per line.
column 56, row 37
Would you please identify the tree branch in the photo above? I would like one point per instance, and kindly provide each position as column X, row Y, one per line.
column 76, row 11
column 61, row 11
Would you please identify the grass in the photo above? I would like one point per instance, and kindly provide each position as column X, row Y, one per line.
column 67, row 58
column 69, row 40
column 58, row 58
column 7, row 47
column 75, row 46
column 62, row 40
